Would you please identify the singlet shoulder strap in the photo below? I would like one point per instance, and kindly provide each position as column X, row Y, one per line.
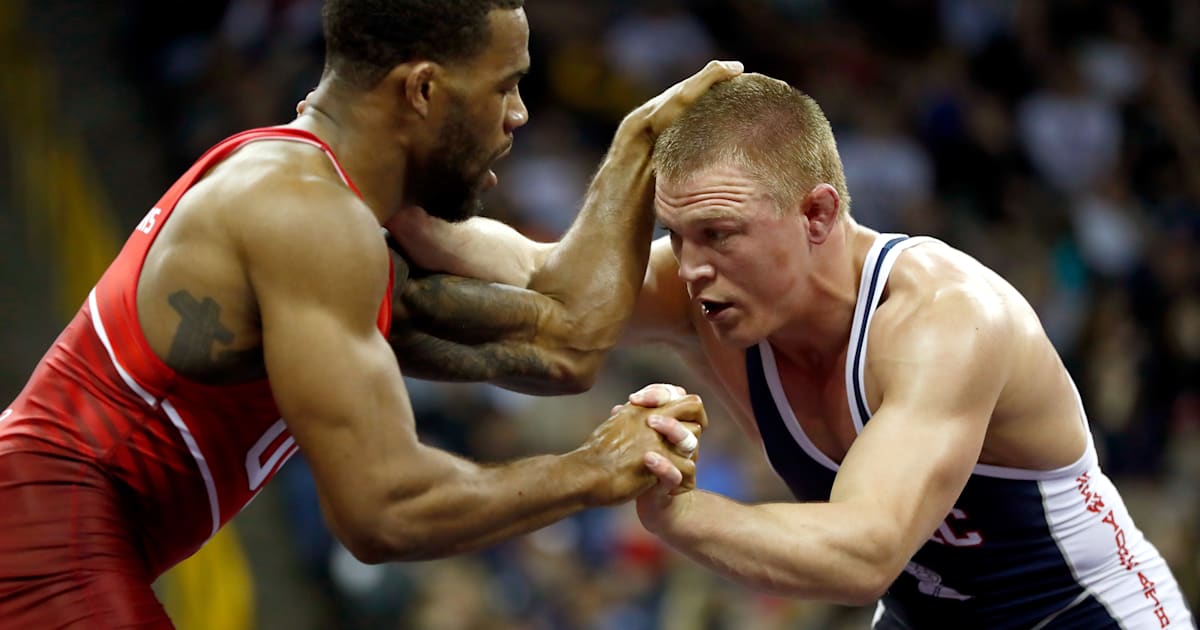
column 876, row 268
column 236, row 141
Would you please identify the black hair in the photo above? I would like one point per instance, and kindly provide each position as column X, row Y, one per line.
column 365, row 39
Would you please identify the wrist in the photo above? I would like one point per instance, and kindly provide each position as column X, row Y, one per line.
column 665, row 516
column 584, row 468
column 632, row 139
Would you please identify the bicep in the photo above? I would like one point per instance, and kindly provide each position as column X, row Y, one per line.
column 918, row 450
column 331, row 371
column 909, row 466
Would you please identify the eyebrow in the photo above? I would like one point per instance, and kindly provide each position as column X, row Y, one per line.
column 710, row 215
column 516, row 75
column 704, row 217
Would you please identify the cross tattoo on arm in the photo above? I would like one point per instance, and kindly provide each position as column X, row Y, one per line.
column 191, row 349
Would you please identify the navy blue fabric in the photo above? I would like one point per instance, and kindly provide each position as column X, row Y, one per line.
column 1014, row 578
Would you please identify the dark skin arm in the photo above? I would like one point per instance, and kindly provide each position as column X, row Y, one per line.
column 318, row 277
column 551, row 337
column 450, row 328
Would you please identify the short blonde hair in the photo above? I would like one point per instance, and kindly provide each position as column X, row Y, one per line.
column 776, row 133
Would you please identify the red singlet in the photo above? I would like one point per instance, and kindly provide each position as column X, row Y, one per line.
column 113, row 468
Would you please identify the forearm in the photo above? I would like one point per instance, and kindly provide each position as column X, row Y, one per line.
column 460, row 329
column 812, row 550
column 479, row 247
column 472, row 506
column 596, row 270
column 517, row 365
column 468, row 310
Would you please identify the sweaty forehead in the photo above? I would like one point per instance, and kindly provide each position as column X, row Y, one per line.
column 709, row 194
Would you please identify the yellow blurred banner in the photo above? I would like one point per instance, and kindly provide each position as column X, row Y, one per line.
column 212, row 589
column 55, row 187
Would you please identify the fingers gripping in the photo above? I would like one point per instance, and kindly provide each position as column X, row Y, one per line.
column 676, row 432
column 657, row 395
column 669, row 476
column 692, row 87
column 665, row 108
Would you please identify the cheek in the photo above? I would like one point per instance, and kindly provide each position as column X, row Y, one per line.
column 775, row 272
column 781, row 257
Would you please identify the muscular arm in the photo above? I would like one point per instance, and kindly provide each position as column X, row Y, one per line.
column 463, row 329
column 900, row 478
column 451, row 328
column 318, row 278
column 552, row 335
column 480, row 247
column 580, row 291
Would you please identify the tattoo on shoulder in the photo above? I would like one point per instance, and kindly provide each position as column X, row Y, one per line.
column 192, row 352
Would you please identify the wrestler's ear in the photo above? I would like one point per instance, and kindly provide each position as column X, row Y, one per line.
column 820, row 207
column 418, row 84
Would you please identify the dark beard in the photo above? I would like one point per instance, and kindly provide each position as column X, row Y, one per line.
column 446, row 189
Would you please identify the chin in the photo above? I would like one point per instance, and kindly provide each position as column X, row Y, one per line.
column 737, row 339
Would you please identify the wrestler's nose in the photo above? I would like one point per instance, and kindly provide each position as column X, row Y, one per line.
column 692, row 266
column 517, row 114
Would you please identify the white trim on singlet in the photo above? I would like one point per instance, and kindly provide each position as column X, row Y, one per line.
column 870, row 289
column 209, row 486
column 185, row 433
column 98, row 324
column 779, row 396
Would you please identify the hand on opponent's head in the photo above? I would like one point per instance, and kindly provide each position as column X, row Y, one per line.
column 658, row 113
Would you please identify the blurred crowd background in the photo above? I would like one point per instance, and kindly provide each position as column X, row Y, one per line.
column 1058, row 141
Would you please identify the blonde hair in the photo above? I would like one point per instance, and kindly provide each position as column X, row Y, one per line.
column 776, row 133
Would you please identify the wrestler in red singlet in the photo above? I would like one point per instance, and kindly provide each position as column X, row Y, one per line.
column 113, row 468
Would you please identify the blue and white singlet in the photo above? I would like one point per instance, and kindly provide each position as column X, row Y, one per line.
column 1022, row 549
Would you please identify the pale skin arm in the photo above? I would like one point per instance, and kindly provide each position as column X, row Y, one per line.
column 480, row 247
column 581, row 290
column 898, row 481
column 318, row 277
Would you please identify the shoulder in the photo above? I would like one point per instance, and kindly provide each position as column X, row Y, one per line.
column 935, row 283
column 287, row 212
column 287, row 194
column 946, row 310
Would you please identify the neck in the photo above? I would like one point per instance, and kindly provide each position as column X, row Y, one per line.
column 366, row 140
column 817, row 335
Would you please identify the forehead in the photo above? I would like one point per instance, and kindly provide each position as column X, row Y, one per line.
column 508, row 47
column 714, row 193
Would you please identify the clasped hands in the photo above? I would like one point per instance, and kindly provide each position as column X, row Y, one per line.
column 680, row 425
column 648, row 445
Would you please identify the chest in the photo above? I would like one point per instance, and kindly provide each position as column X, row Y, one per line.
column 819, row 401
column 816, row 401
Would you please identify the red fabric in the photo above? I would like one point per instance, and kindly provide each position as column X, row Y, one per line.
column 68, row 558
column 182, row 458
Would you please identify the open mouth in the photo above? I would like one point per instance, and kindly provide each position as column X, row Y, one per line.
column 712, row 308
column 489, row 178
